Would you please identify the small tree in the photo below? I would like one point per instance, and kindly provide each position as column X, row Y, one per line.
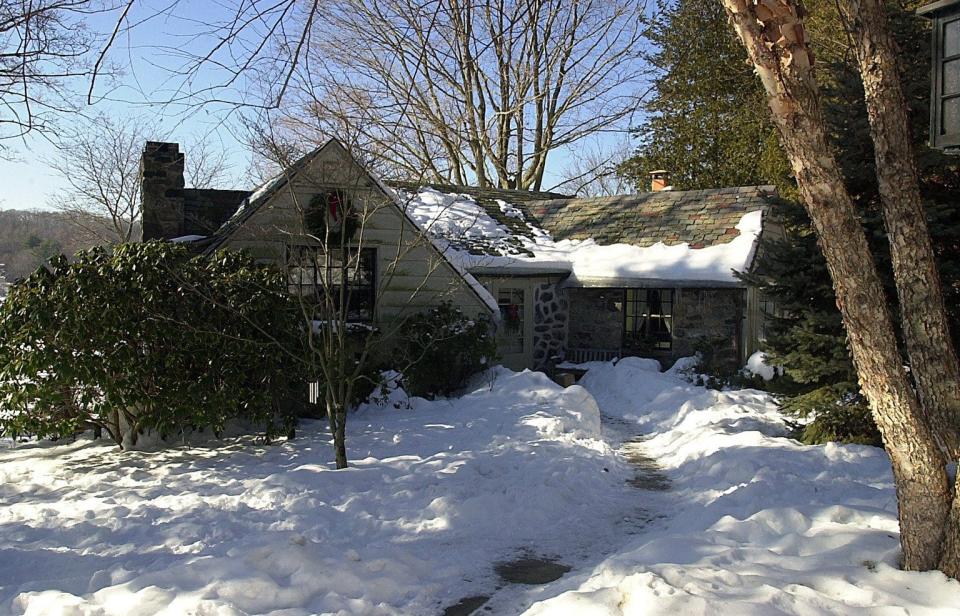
column 345, row 341
column 145, row 337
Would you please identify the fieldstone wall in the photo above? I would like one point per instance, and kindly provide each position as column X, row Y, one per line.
column 713, row 316
column 550, row 317
column 596, row 318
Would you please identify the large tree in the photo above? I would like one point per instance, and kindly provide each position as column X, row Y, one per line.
column 705, row 119
column 919, row 431
column 468, row 92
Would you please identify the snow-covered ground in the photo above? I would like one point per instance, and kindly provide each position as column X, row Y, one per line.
column 753, row 523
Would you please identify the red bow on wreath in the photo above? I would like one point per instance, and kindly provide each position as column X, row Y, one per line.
column 513, row 312
column 333, row 207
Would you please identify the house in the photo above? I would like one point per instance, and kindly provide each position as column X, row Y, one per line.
column 563, row 278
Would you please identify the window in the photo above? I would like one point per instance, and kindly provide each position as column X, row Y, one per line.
column 649, row 319
column 945, row 106
column 347, row 275
column 510, row 334
column 768, row 312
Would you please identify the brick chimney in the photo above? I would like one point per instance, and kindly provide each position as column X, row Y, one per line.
column 161, row 190
column 659, row 180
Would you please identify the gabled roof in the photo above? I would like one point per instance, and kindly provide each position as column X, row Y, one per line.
column 699, row 218
column 257, row 198
column 264, row 193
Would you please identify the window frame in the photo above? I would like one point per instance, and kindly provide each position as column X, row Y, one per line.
column 503, row 336
column 940, row 139
column 658, row 343
column 364, row 294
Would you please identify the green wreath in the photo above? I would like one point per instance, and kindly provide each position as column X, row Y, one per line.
column 329, row 215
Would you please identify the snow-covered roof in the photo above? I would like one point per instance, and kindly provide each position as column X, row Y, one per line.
column 682, row 237
column 488, row 236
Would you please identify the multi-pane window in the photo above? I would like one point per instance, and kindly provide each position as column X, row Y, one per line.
column 945, row 106
column 648, row 315
column 510, row 333
column 334, row 279
column 768, row 312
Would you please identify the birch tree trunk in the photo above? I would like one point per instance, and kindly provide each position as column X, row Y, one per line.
column 772, row 32
column 933, row 359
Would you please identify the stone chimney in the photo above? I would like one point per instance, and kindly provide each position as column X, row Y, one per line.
column 161, row 190
column 659, row 180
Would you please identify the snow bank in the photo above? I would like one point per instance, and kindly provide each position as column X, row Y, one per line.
column 762, row 524
column 753, row 523
column 460, row 225
column 757, row 365
column 435, row 494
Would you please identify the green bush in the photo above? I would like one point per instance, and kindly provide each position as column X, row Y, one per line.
column 833, row 414
column 440, row 349
column 143, row 338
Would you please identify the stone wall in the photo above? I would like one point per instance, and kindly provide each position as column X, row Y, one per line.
column 550, row 316
column 712, row 316
column 596, row 318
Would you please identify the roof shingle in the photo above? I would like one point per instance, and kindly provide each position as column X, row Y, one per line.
column 698, row 217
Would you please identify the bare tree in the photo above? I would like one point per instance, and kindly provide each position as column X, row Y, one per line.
column 99, row 161
column 43, row 46
column 327, row 242
column 470, row 92
column 919, row 432
column 594, row 172
column 923, row 316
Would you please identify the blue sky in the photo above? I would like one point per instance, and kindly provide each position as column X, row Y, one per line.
column 142, row 54
column 161, row 35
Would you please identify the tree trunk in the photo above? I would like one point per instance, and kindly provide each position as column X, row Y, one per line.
column 933, row 359
column 338, row 432
column 340, row 440
column 772, row 32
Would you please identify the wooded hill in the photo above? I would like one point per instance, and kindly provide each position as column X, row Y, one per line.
column 29, row 237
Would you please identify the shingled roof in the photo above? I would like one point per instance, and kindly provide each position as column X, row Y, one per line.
column 490, row 201
column 698, row 217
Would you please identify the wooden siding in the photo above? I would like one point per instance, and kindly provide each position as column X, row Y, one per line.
column 411, row 281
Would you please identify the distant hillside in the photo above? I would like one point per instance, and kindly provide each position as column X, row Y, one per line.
column 29, row 237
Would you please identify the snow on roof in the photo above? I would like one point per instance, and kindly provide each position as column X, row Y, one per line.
column 478, row 240
column 187, row 238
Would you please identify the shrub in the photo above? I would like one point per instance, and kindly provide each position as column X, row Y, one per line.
column 440, row 349
column 833, row 414
column 146, row 337
column 717, row 366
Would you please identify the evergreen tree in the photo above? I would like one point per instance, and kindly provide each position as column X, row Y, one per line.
column 704, row 125
column 707, row 122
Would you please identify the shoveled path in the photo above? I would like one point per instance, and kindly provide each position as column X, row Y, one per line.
column 522, row 579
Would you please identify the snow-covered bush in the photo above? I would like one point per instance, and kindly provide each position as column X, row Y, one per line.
column 146, row 337
column 438, row 350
